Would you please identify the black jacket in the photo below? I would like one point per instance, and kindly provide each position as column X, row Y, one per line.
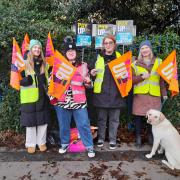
column 37, row 113
column 110, row 96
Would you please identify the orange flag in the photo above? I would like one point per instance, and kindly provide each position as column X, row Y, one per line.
column 17, row 66
column 168, row 71
column 62, row 73
column 25, row 44
column 49, row 51
column 122, row 74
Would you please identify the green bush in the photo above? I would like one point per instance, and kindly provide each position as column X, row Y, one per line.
column 37, row 22
column 172, row 110
column 9, row 108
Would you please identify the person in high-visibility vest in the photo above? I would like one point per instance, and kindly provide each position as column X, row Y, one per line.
column 148, row 88
column 73, row 103
column 35, row 111
column 107, row 98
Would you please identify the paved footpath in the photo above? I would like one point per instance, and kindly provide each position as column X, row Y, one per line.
column 125, row 163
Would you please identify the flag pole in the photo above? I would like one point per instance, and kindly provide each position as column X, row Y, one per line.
column 83, row 54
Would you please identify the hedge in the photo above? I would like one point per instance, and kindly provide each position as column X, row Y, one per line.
column 10, row 106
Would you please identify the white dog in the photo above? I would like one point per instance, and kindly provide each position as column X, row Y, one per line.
column 165, row 135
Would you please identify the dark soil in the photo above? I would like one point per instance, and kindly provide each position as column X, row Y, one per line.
column 12, row 139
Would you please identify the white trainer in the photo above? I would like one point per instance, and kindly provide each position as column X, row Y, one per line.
column 91, row 153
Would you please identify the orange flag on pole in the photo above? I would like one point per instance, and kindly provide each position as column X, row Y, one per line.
column 25, row 44
column 168, row 71
column 17, row 66
column 62, row 73
column 49, row 51
column 122, row 74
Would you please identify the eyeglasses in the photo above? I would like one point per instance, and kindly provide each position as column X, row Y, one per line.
column 110, row 43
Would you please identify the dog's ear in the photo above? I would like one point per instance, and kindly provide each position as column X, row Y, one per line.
column 162, row 116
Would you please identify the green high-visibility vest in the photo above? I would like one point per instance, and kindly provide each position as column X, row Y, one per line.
column 150, row 85
column 100, row 66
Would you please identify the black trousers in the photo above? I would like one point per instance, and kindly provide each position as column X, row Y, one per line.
column 138, row 120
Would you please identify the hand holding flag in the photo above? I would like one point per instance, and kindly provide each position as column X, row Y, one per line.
column 62, row 73
column 122, row 74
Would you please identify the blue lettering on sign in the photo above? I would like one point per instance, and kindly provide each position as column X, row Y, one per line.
column 124, row 38
column 83, row 40
column 98, row 42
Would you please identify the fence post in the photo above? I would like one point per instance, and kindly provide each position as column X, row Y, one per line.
column 123, row 48
column 166, row 43
column 160, row 43
column 153, row 39
column 173, row 42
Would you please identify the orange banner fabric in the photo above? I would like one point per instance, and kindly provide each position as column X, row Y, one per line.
column 168, row 71
column 122, row 74
column 17, row 66
column 62, row 73
column 49, row 51
column 25, row 44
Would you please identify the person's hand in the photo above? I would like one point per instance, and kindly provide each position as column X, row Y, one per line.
column 145, row 75
column 87, row 80
column 93, row 72
column 165, row 97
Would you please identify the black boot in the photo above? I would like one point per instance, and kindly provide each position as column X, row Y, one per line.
column 138, row 141
column 138, row 130
column 150, row 135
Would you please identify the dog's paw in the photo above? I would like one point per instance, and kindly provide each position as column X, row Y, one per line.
column 148, row 156
column 167, row 164
column 160, row 151
column 164, row 162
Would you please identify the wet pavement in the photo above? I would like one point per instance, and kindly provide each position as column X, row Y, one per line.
column 126, row 162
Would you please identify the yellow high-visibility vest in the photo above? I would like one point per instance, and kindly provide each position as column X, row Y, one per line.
column 100, row 66
column 30, row 94
column 150, row 85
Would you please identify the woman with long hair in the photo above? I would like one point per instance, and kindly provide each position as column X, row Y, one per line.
column 34, row 100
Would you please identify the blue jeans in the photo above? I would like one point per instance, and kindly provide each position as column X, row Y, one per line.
column 82, row 122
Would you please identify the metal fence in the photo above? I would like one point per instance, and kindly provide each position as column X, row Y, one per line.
column 162, row 46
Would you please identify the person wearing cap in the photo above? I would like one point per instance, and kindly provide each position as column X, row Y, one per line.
column 107, row 98
column 148, row 87
column 34, row 100
column 73, row 103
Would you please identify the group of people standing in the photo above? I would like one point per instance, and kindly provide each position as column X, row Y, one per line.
column 148, row 88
